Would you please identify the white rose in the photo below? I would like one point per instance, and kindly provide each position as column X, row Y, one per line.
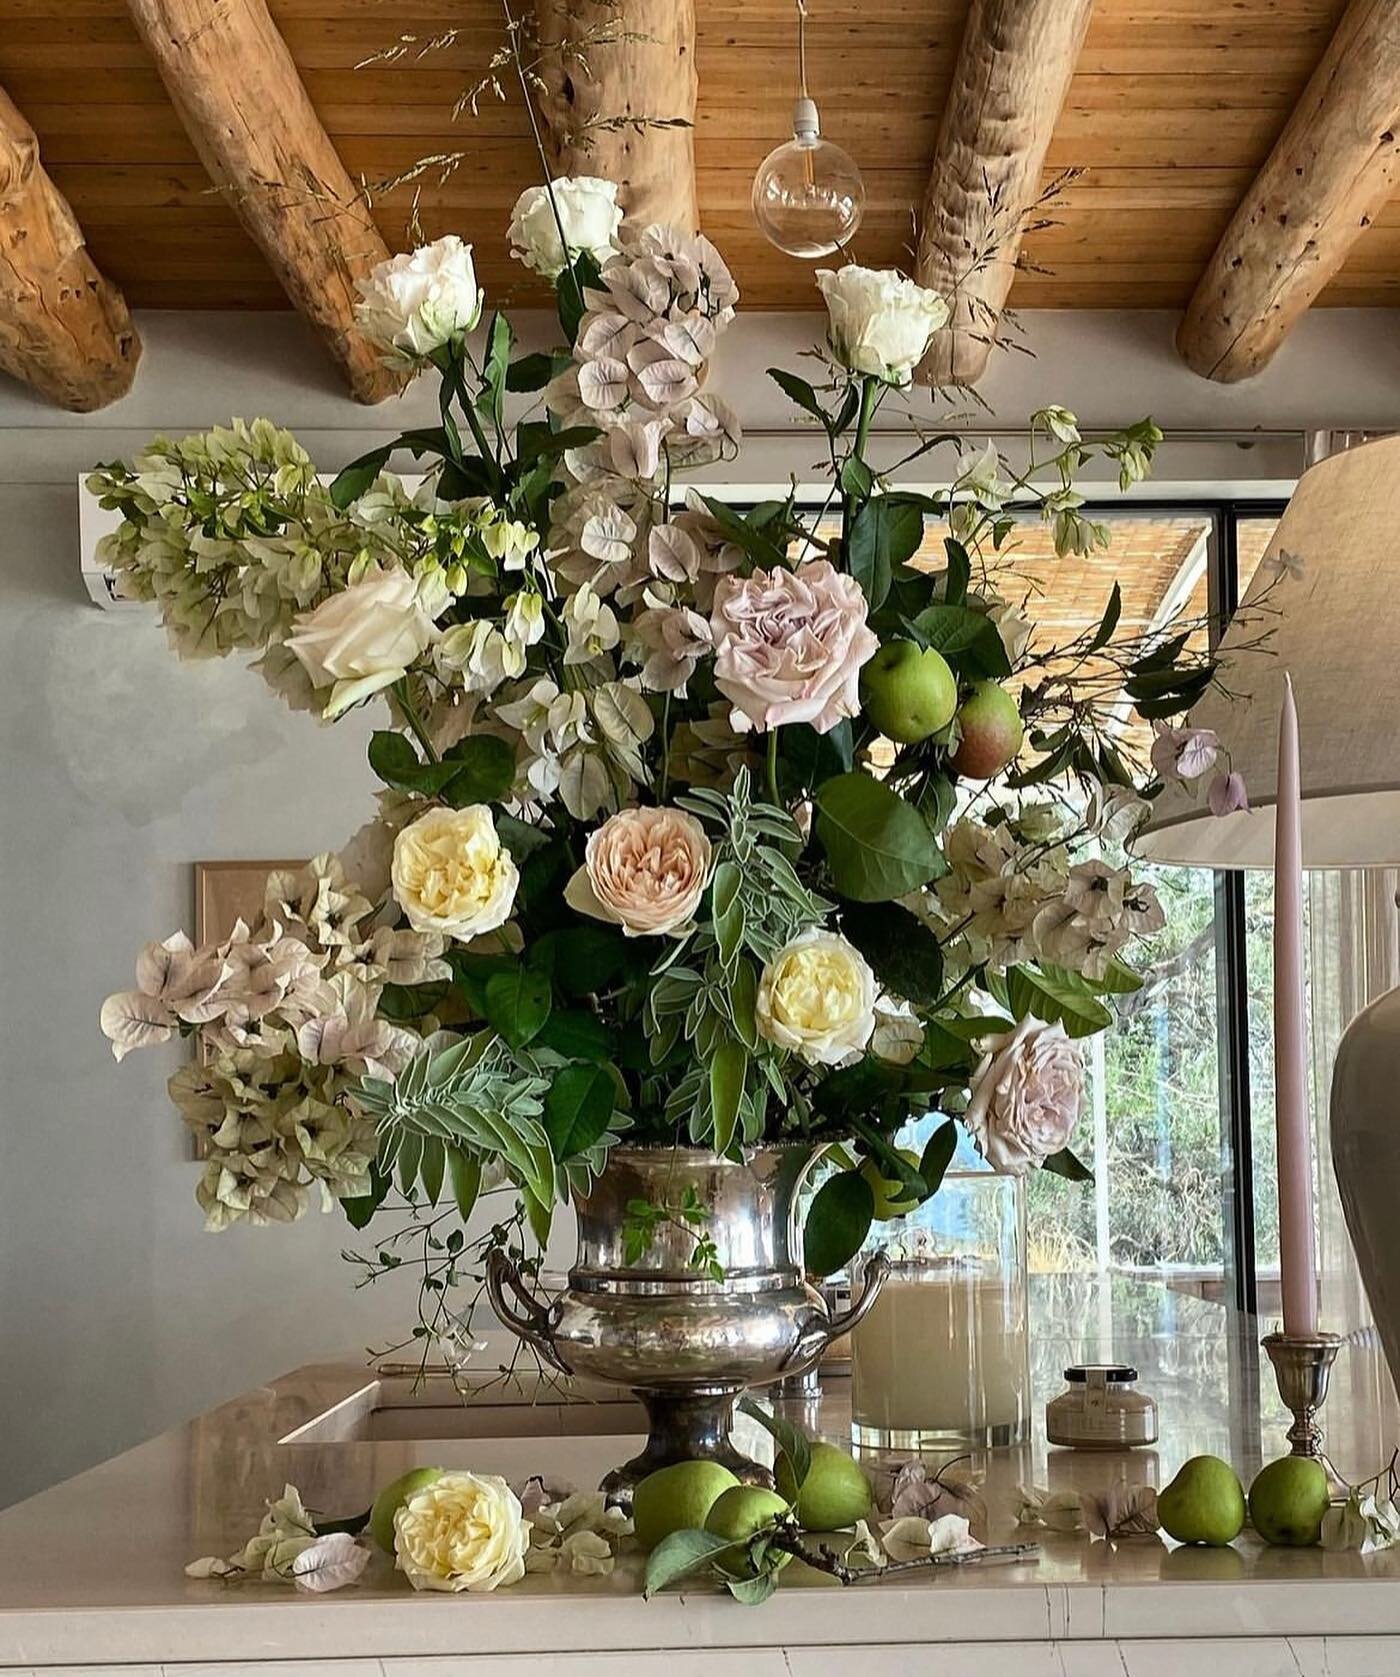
column 365, row 637
column 1026, row 1095
column 415, row 303
column 881, row 322
column 588, row 211
column 452, row 875
column 817, row 997
column 465, row 1531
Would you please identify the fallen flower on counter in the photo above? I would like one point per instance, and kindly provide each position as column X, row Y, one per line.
column 1121, row 1511
column 912, row 1537
column 1365, row 1523
column 1059, row 1511
column 914, row 1492
column 576, row 1535
column 286, row 1549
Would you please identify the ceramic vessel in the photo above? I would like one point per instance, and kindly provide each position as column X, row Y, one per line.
column 686, row 1343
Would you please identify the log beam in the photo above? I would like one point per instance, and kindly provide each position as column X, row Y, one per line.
column 232, row 80
column 619, row 101
column 64, row 329
column 1336, row 162
column 1012, row 74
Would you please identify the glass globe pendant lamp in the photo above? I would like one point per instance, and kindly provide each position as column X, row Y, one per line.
column 808, row 195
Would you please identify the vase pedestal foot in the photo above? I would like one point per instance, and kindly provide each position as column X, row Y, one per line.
column 686, row 1425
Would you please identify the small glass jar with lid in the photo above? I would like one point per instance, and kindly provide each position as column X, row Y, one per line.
column 1101, row 1409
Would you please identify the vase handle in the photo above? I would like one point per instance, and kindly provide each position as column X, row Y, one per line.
column 819, row 1331
column 531, row 1321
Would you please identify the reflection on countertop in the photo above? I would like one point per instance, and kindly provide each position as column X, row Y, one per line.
column 93, row 1569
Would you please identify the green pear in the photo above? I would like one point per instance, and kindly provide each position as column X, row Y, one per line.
column 1203, row 1504
column 737, row 1515
column 835, row 1494
column 991, row 732
column 392, row 1498
column 678, row 1498
column 1287, row 1501
column 908, row 691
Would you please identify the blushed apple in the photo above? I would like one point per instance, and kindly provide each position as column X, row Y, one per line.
column 991, row 732
column 908, row 691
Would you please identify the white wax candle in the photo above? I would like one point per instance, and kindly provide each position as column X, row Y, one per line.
column 1297, row 1245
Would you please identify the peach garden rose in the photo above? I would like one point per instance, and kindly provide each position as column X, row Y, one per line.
column 644, row 870
column 789, row 645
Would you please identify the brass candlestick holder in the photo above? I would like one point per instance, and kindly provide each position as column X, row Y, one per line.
column 1302, row 1367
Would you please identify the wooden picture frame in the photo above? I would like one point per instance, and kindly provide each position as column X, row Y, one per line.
column 225, row 892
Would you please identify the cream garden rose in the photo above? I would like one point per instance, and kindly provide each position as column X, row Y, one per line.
column 588, row 211
column 363, row 639
column 464, row 1531
column 416, row 303
column 452, row 875
column 789, row 645
column 1026, row 1095
column 644, row 870
column 880, row 321
column 817, row 997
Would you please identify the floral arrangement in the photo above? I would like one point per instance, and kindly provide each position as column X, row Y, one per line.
column 697, row 824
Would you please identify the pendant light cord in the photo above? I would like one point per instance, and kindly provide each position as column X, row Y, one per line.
column 802, row 49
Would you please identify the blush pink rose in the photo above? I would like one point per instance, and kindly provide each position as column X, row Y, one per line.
column 1026, row 1095
column 644, row 870
column 789, row 646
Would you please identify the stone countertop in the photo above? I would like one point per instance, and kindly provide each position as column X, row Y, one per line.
column 92, row 1570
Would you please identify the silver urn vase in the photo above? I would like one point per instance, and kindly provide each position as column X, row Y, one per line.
column 685, row 1343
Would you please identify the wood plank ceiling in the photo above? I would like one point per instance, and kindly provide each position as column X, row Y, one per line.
column 1174, row 106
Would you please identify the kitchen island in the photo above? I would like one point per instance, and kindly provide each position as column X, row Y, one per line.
column 92, row 1579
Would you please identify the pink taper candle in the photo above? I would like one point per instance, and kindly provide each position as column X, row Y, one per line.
column 1297, row 1243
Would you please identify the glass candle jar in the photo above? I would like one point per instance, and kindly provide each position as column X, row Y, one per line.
column 942, row 1361
column 1101, row 1409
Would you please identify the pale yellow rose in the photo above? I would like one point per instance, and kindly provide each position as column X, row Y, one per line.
column 644, row 870
column 465, row 1531
column 364, row 638
column 452, row 875
column 817, row 997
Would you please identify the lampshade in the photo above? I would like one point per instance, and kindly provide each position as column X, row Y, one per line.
column 1336, row 630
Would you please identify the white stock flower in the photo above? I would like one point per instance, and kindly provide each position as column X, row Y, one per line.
column 524, row 624
column 591, row 625
column 480, row 654
column 452, row 874
column 978, row 475
column 880, row 321
column 898, row 1034
column 589, row 212
column 1026, row 1095
column 464, row 1531
column 817, row 998
column 418, row 302
column 364, row 638
column 509, row 542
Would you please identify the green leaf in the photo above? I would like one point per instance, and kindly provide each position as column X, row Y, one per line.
column 530, row 372
column 878, row 846
column 792, row 1442
column 431, row 1167
column 808, row 758
column 798, row 390
column 358, row 477
column 582, row 959
column 577, row 1108
column 968, row 639
column 885, row 533
column 484, row 770
column 937, row 1156
column 753, row 1592
column 401, row 1004
column 1065, row 1164
column 1053, row 994
column 520, row 838
column 759, row 547
column 499, row 338
column 575, row 1035
column 360, row 1209
column 393, row 759
column 905, row 955
column 856, row 478
column 1118, row 980
column 838, row 1221
column 678, row 1555
column 538, row 1215
column 728, row 1070
column 464, row 1174
column 539, row 442
column 959, row 571
column 517, row 1003
column 584, row 274
column 1109, row 621
column 743, row 998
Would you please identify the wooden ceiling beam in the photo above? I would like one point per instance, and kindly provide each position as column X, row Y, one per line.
column 240, row 97
column 613, row 71
column 64, row 329
column 1012, row 73
column 1331, row 170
